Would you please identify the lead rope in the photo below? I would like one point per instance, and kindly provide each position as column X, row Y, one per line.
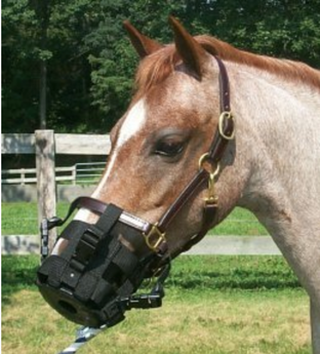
column 83, row 335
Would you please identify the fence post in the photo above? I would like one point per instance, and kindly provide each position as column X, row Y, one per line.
column 46, row 186
column 23, row 176
column 74, row 175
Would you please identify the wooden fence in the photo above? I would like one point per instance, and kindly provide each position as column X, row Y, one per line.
column 46, row 145
column 81, row 173
column 24, row 176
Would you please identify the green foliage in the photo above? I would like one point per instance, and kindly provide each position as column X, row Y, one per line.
column 91, row 63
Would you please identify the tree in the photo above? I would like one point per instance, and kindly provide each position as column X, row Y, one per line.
column 91, row 63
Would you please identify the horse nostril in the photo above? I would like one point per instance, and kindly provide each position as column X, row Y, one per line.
column 67, row 307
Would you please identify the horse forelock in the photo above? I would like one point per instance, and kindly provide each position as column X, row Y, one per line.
column 156, row 67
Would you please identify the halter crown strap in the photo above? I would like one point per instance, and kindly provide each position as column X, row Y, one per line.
column 222, row 136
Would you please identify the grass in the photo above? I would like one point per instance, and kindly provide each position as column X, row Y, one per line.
column 21, row 219
column 213, row 304
column 240, row 222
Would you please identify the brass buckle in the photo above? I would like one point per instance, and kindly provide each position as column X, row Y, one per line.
column 223, row 116
column 212, row 198
column 152, row 243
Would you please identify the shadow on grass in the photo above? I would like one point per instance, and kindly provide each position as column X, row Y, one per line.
column 232, row 272
column 18, row 272
column 189, row 272
column 243, row 280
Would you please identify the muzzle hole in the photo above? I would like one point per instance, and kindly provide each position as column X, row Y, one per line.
column 42, row 278
column 67, row 307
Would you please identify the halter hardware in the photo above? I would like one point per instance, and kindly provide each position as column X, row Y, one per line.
column 206, row 159
column 204, row 162
column 154, row 238
column 224, row 116
column 212, row 198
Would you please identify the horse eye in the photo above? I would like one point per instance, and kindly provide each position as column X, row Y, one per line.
column 169, row 148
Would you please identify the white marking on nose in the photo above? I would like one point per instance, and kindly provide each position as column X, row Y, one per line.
column 132, row 124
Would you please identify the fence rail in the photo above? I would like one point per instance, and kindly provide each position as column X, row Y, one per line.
column 29, row 175
column 80, row 173
column 210, row 245
column 88, row 173
column 66, row 144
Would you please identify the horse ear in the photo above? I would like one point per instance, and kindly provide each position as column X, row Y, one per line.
column 191, row 52
column 142, row 44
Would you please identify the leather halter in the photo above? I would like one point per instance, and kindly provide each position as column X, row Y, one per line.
column 211, row 160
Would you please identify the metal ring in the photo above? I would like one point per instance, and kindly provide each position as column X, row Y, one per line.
column 160, row 237
column 223, row 116
column 202, row 159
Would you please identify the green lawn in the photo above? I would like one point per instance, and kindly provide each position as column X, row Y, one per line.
column 21, row 219
column 213, row 304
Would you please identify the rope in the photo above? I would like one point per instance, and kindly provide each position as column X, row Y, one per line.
column 84, row 334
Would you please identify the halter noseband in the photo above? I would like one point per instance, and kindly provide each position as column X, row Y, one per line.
column 92, row 280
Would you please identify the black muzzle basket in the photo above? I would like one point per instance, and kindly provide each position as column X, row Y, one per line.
column 91, row 281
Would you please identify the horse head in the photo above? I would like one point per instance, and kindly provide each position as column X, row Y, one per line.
column 161, row 190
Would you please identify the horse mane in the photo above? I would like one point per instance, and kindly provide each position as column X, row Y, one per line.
column 156, row 67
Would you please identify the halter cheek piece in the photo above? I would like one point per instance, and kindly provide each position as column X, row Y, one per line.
column 91, row 281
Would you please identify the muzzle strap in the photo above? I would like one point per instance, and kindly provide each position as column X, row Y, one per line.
column 92, row 238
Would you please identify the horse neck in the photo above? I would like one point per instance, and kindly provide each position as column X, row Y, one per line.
column 278, row 131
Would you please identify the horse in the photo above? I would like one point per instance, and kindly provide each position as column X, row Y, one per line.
column 210, row 127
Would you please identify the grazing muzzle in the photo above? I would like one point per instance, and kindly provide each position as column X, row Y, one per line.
column 91, row 281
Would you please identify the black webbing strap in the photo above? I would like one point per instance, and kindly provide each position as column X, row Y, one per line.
column 93, row 236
